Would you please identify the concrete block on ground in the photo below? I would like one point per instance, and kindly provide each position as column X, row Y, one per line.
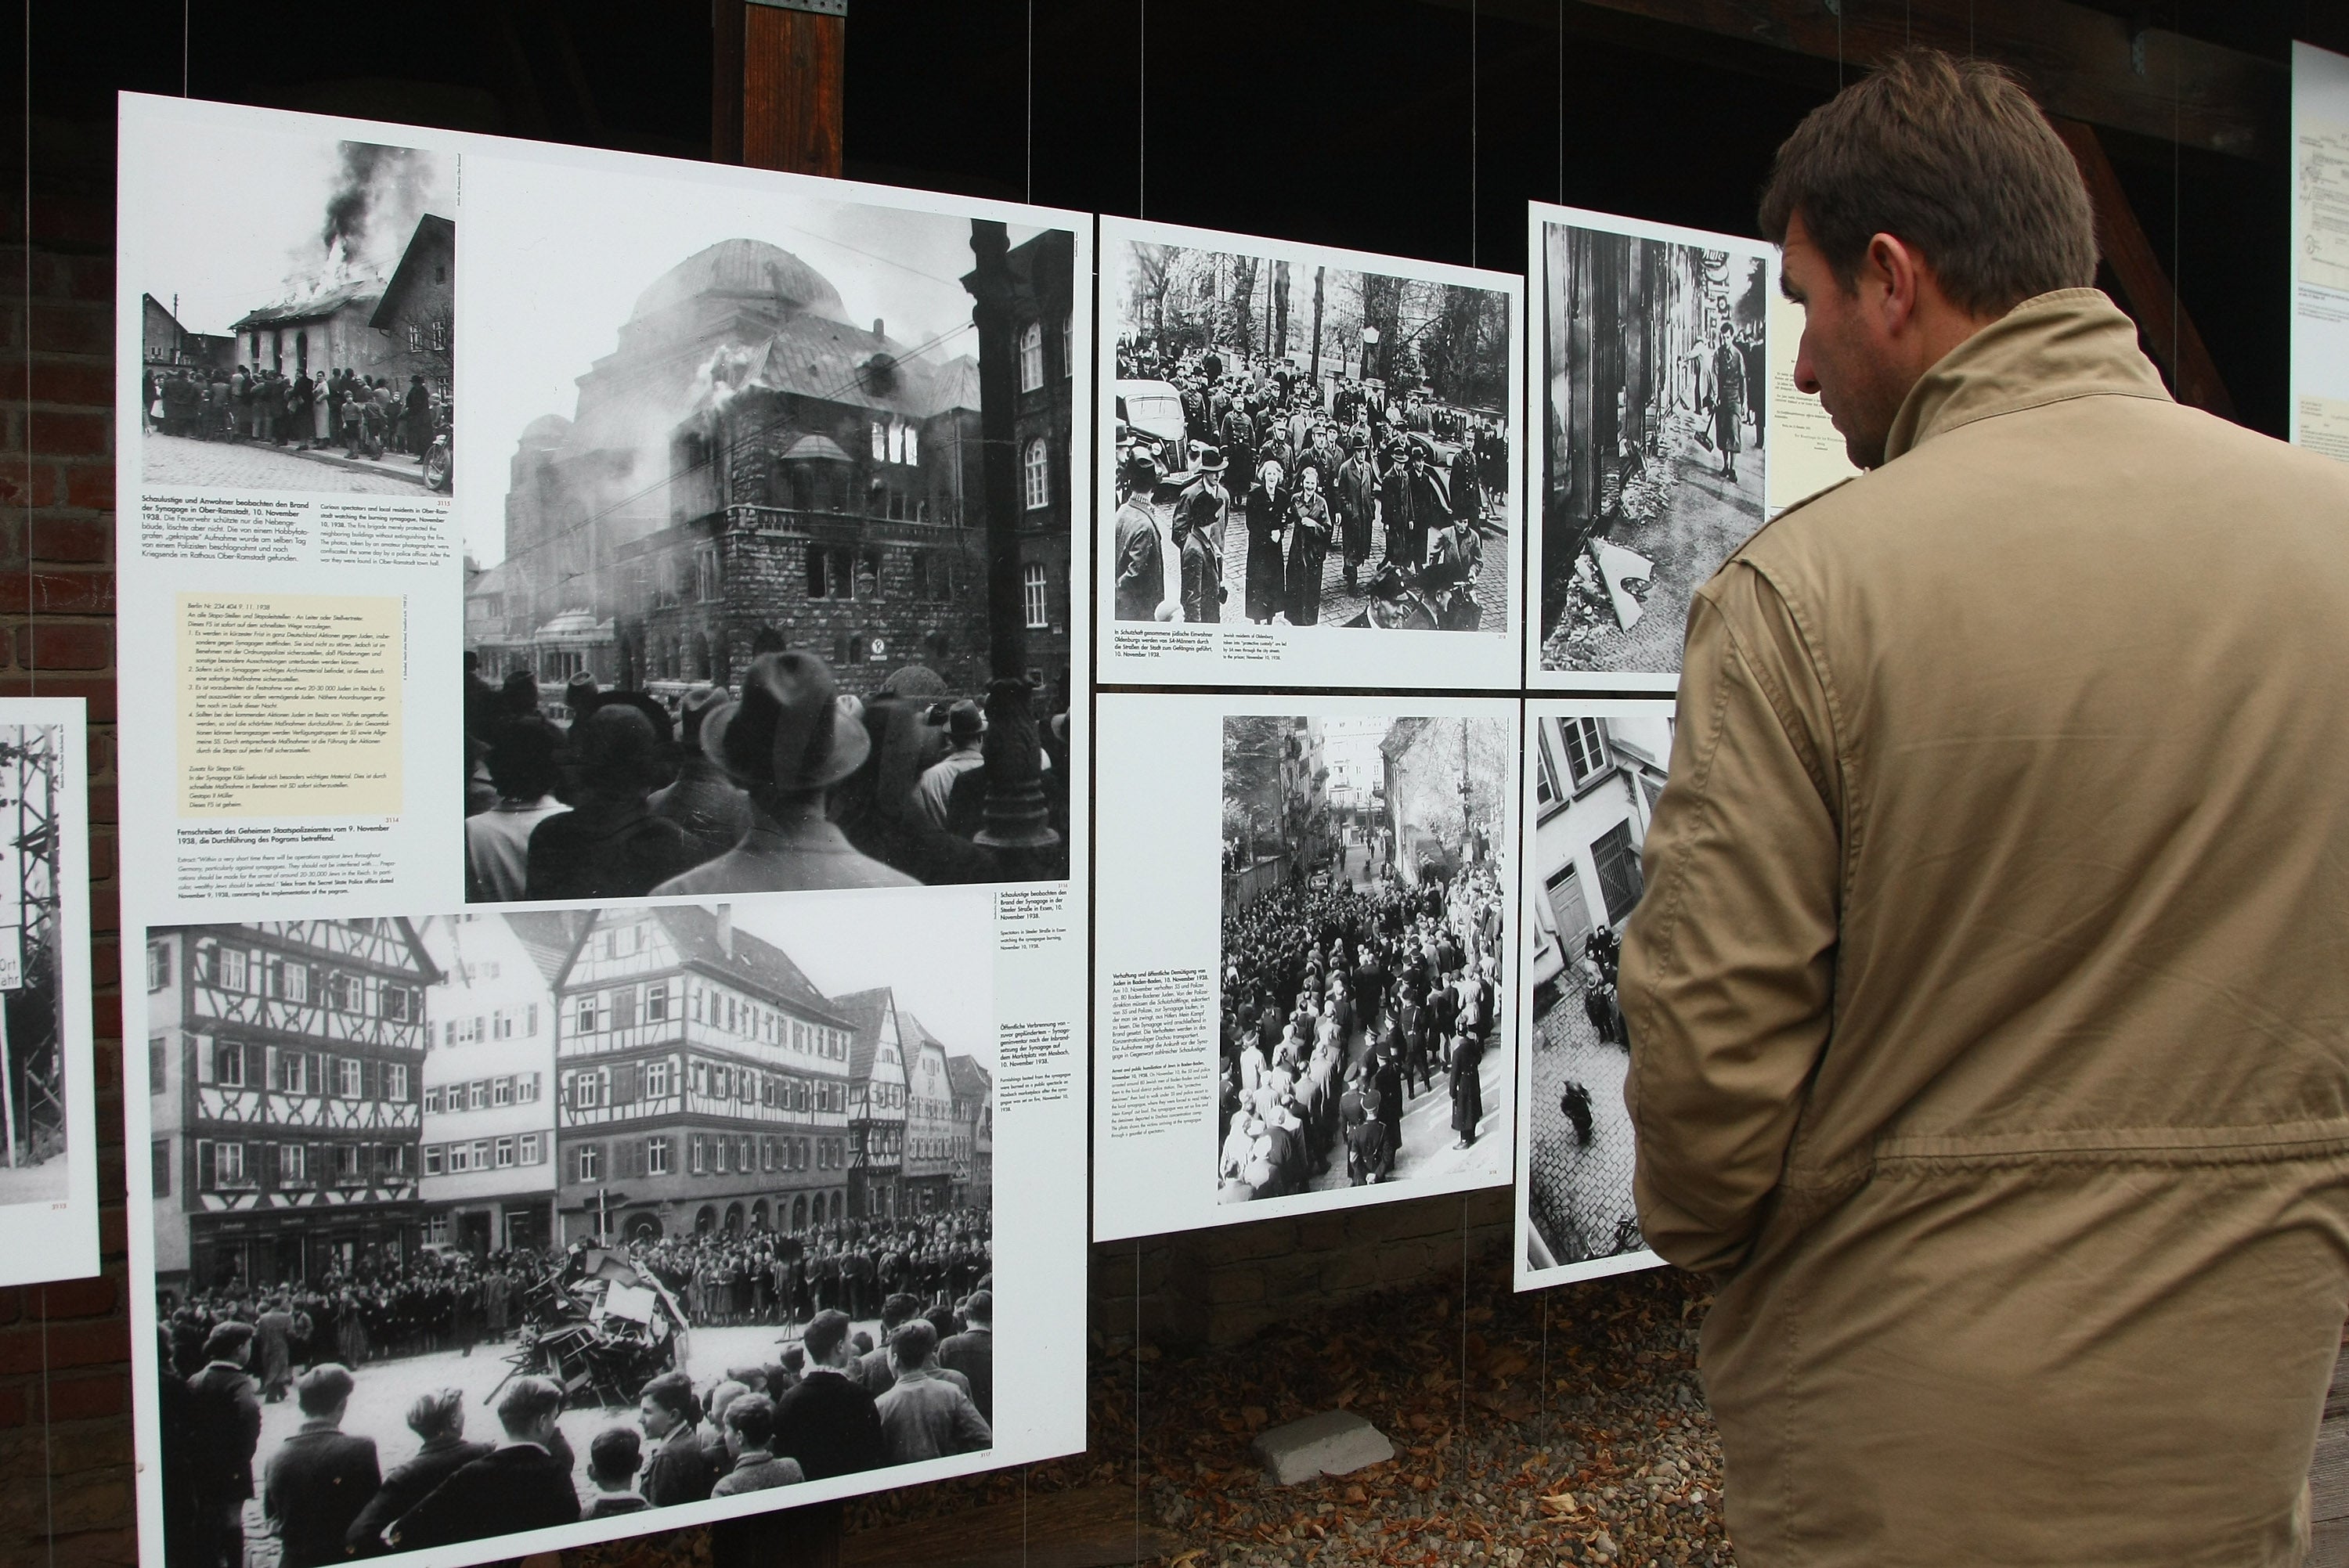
column 1334, row 1442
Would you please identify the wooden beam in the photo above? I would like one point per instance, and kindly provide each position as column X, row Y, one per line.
column 2082, row 62
column 792, row 64
column 2151, row 301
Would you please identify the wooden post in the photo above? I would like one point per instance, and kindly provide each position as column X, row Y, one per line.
column 775, row 102
column 776, row 92
column 2149, row 298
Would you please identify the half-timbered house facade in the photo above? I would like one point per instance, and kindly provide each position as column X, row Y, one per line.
column 286, row 1061
column 928, row 1180
column 876, row 1102
column 974, row 1142
column 702, row 1082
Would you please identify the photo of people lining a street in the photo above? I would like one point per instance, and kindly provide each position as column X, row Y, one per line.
column 1306, row 445
column 1366, row 1019
column 476, row 1223
column 1655, row 396
column 1598, row 770
column 298, row 326
column 779, row 594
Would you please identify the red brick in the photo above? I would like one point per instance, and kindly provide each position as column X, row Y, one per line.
column 73, row 538
column 89, row 486
column 103, row 804
column 58, row 434
column 72, row 219
column 71, row 593
column 97, row 691
column 66, row 645
column 79, row 1298
column 62, row 327
column 76, row 277
column 102, row 857
column 106, row 902
column 87, row 383
column 105, row 1015
column 111, row 1221
column 92, row 1549
column 12, row 323
column 18, row 1402
column 81, row 1344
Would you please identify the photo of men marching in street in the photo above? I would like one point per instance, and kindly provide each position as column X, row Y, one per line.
column 1655, row 392
column 1298, row 439
column 1364, row 1040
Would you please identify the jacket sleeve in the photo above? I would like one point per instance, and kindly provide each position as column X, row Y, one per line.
column 1728, row 964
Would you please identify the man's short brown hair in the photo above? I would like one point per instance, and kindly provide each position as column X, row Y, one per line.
column 1953, row 156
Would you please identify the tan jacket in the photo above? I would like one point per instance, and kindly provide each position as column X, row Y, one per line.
column 1990, row 998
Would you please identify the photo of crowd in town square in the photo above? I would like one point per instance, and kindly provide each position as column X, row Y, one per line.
column 297, row 322
column 1598, row 773
column 477, row 1224
column 1365, row 1008
column 1656, row 394
column 781, row 599
column 1302, row 445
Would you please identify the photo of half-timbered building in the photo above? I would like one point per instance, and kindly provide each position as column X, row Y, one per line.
column 285, row 1061
column 702, row 1082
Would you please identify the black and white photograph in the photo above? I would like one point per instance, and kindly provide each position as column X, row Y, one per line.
column 1365, row 1030
column 1597, row 771
column 778, row 593
column 48, row 1201
column 470, row 1225
column 297, row 315
column 1296, row 440
column 1654, row 390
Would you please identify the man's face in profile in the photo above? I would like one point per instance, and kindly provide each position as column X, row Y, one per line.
column 1844, row 360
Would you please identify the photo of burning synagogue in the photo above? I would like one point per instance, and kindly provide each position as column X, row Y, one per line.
column 404, row 1168
column 1657, row 389
column 309, row 342
column 1365, row 1020
column 784, row 601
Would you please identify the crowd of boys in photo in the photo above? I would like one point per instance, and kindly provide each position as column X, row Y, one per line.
column 1338, row 1004
column 364, row 415
column 784, row 785
column 1313, row 467
column 832, row 1402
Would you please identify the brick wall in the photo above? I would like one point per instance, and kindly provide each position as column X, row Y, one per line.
column 65, row 1388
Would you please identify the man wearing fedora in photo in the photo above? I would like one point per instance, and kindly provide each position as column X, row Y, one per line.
column 608, row 845
column 703, row 801
column 966, row 728
column 788, row 741
column 1201, row 514
column 1141, row 560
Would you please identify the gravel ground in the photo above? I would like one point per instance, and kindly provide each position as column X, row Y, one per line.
column 1585, row 1442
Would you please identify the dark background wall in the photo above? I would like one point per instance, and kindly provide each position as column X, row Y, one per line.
column 1409, row 126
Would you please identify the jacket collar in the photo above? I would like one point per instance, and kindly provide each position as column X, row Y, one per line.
column 2073, row 343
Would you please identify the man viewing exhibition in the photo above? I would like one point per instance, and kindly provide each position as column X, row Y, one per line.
column 1988, row 997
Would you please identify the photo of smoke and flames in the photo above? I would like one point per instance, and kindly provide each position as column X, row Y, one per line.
column 298, row 323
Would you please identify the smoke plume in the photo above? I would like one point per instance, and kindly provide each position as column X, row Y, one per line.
column 379, row 195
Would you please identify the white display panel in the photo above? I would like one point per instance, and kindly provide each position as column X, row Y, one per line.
column 1314, row 350
column 1239, row 832
column 49, row 1152
column 2320, row 250
column 1649, row 462
column 707, row 422
column 1593, row 773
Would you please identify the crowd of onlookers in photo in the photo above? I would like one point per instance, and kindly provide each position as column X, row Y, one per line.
column 832, row 1400
column 780, row 782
